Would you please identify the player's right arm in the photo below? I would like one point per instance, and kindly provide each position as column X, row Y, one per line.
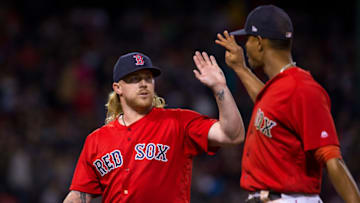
column 78, row 197
column 230, row 127
column 234, row 57
column 85, row 184
column 342, row 180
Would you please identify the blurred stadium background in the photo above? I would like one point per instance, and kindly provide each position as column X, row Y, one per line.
column 56, row 60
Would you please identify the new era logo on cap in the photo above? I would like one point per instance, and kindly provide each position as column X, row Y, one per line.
column 288, row 34
column 254, row 29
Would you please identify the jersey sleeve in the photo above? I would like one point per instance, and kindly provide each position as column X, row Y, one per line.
column 196, row 129
column 311, row 117
column 85, row 178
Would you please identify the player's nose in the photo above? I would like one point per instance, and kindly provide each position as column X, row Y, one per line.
column 143, row 83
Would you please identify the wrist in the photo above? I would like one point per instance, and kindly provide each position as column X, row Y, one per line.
column 241, row 69
column 219, row 87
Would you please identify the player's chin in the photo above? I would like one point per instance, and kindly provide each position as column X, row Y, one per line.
column 253, row 65
column 144, row 102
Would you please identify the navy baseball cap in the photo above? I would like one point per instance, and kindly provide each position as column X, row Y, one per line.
column 132, row 62
column 267, row 21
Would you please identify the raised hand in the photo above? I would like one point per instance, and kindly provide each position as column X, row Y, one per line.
column 234, row 55
column 208, row 71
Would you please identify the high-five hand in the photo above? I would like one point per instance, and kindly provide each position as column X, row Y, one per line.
column 209, row 73
column 227, row 130
column 234, row 55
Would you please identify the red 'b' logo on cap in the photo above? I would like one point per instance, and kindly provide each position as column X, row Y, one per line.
column 139, row 59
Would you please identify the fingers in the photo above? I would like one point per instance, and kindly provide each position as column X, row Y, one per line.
column 226, row 34
column 198, row 60
column 206, row 57
column 226, row 40
column 222, row 43
column 213, row 60
column 220, row 37
column 201, row 59
column 197, row 74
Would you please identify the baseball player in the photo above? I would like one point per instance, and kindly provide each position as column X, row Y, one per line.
column 144, row 152
column 291, row 135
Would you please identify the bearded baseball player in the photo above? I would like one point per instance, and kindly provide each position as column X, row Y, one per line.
column 144, row 152
column 291, row 135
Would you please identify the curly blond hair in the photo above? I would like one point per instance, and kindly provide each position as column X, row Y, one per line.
column 114, row 108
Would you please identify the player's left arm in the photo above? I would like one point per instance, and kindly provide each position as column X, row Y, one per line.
column 78, row 197
column 342, row 180
column 230, row 127
column 312, row 120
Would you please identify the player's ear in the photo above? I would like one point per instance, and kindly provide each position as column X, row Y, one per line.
column 260, row 43
column 117, row 88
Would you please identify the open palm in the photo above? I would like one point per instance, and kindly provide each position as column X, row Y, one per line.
column 208, row 71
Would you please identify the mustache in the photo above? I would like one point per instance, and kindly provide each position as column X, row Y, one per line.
column 143, row 91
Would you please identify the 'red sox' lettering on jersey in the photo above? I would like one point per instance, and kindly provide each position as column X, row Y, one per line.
column 108, row 162
column 123, row 163
column 263, row 123
column 144, row 152
column 294, row 135
column 114, row 160
column 150, row 151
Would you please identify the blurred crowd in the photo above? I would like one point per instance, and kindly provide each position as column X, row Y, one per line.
column 56, row 73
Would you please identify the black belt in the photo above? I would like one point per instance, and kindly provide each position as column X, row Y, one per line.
column 271, row 196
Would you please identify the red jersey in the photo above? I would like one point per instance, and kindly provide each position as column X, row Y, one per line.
column 291, row 117
column 148, row 161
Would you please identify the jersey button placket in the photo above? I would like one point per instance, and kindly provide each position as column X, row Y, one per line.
column 128, row 134
column 127, row 170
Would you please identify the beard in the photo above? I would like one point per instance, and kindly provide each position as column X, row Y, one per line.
column 140, row 104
